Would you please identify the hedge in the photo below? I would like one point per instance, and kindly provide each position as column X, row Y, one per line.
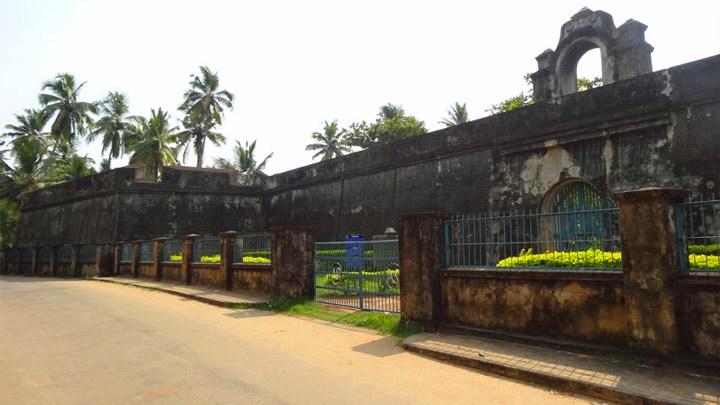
column 593, row 258
column 216, row 259
column 348, row 282
column 713, row 249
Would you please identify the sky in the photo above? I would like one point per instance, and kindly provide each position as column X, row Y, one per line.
column 294, row 64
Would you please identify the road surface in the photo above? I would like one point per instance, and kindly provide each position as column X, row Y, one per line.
column 83, row 342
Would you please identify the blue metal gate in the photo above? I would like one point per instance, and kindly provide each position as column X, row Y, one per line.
column 577, row 225
column 358, row 274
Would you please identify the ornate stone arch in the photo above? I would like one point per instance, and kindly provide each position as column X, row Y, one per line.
column 623, row 51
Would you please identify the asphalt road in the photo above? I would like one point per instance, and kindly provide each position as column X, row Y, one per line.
column 86, row 342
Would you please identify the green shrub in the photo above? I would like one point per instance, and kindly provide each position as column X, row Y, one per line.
column 713, row 249
column 704, row 262
column 591, row 258
column 252, row 259
column 341, row 253
column 176, row 258
column 348, row 282
column 257, row 253
column 210, row 259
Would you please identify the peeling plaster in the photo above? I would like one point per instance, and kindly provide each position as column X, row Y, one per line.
column 541, row 172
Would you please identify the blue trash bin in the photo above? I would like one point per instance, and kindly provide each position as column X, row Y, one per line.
column 354, row 251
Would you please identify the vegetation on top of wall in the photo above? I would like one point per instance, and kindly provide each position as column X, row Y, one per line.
column 595, row 258
column 591, row 258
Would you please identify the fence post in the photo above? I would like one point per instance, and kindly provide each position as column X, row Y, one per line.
column 227, row 239
column 53, row 261
column 3, row 259
column 157, row 257
column 117, row 256
column 187, row 249
column 134, row 265
column 18, row 264
column 74, row 267
column 34, row 261
column 421, row 260
column 104, row 259
column 293, row 263
column 650, row 267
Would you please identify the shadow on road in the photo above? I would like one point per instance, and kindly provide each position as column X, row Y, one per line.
column 383, row 347
column 248, row 313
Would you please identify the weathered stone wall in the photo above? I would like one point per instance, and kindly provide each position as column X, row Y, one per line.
column 114, row 206
column 206, row 275
column 558, row 304
column 146, row 270
column 659, row 129
column 171, row 272
column 254, row 278
column 699, row 315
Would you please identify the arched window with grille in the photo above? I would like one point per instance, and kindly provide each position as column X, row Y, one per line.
column 578, row 222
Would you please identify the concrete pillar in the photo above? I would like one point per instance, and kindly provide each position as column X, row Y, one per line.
column 134, row 261
column 3, row 260
column 74, row 265
column 117, row 256
column 650, row 267
column 157, row 257
column 421, row 260
column 104, row 260
column 186, row 250
column 293, row 263
column 53, row 261
column 227, row 240
column 34, row 262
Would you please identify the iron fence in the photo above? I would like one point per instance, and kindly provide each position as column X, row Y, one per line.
column 146, row 252
column 172, row 250
column 253, row 248
column 26, row 255
column 12, row 255
column 44, row 254
column 64, row 254
column 126, row 252
column 587, row 239
column 358, row 274
column 698, row 231
column 87, row 254
column 206, row 250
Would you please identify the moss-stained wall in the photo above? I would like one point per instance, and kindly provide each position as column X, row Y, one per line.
column 557, row 304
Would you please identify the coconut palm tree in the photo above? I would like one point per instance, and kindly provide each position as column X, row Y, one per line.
column 72, row 117
column 457, row 114
column 152, row 142
column 329, row 142
column 112, row 124
column 30, row 127
column 30, row 171
column 198, row 129
column 73, row 167
column 204, row 106
column 244, row 162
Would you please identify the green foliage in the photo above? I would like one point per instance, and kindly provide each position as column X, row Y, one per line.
column 254, row 259
column 713, row 249
column 9, row 216
column 340, row 253
column 386, row 324
column 244, row 162
column 72, row 168
column 73, row 118
column 704, row 262
column 210, row 259
column 525, row 98
column 153, row 142
column 457, row 114
column 176, row 258
column 591, row 258
column 348, row 282
column 330, row 143
column 391, row 125
column 112, row 125
column 204, row 106
column 706, row 258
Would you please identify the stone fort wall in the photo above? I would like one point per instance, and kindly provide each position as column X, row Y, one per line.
column 641, row 129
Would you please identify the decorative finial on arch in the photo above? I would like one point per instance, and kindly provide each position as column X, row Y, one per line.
column 623, row 51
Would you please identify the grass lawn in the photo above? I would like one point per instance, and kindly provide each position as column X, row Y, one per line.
column 387, row 324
